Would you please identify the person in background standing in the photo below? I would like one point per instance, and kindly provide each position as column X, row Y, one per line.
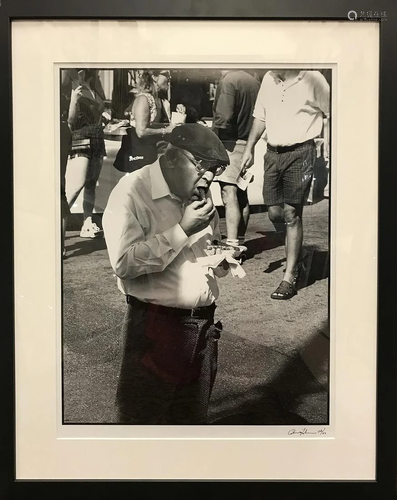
column 65, row 142
column 88, row 147
column 149, row 119
column 233, row 107
column 291, row 107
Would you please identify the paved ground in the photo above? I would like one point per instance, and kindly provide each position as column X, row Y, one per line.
column 273, row 360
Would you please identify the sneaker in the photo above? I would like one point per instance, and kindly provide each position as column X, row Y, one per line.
column 90, row 229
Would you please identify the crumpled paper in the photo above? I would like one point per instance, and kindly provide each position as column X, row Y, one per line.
column 212, row 261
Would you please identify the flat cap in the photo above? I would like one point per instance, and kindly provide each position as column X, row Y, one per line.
column 200, row 141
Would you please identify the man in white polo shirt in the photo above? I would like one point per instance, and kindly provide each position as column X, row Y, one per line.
column 291, row 107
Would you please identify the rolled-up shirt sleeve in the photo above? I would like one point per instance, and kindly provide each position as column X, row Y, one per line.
column 131, row 253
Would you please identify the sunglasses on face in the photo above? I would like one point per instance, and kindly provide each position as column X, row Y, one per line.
column 201, row 168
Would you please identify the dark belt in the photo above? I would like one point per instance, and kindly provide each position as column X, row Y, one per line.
column 286, row 149
column 205, row 312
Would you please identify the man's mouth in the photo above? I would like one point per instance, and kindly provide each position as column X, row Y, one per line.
column 201, row 192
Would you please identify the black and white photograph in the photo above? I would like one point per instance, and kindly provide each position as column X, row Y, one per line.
column 196, row 295
column 195, row 206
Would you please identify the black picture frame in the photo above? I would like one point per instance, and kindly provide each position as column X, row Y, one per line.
column 384, row 485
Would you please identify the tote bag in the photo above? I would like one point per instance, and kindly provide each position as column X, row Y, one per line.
column 135, row 152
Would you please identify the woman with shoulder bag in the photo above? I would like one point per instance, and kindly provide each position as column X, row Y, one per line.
column 149, row 122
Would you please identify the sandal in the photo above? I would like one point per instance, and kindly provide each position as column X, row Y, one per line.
column 284, row 291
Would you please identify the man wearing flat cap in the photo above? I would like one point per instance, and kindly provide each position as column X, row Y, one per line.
column 157, row 226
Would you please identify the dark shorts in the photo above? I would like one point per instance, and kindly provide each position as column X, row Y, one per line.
column 288, row 175
column 88, row 142
column 168, row 368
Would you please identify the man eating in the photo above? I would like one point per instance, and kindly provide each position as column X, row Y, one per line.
column 157, row 224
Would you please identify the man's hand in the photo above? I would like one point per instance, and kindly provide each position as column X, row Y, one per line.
column 181, row 108
column 197, row 216
column 246, row 161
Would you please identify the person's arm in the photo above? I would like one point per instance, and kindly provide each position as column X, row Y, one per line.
column 258, row 127
column 322, row 96
column 74, row 106
column 81, row 95
column 131, row 253
column 321, row 92
column 256, row 132
column 141, row 112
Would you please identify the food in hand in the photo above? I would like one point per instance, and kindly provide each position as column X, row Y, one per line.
column 219, row 248
column 202, row 193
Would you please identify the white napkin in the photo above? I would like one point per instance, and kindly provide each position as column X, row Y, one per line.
column 212, row 261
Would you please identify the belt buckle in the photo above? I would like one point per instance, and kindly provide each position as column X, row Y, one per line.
column 193, row 312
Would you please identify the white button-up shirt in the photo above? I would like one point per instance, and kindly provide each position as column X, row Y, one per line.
column 293, row 110
column 153, row 258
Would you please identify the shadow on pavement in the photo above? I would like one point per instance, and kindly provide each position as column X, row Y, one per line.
column 317, row 267
column 273, row 266
column 278, row 390
column 256, row 246
column 85, row 247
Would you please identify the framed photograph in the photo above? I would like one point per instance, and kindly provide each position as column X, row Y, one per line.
column 199, row 265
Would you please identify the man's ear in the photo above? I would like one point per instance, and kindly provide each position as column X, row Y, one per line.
column 162, row 147
column 172, row 156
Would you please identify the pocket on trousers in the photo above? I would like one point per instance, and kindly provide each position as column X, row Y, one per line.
column 172, row 355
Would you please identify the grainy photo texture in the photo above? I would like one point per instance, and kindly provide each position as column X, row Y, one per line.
column 195, row 245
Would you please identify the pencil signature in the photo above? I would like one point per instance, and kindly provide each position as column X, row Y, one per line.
column 305, row 431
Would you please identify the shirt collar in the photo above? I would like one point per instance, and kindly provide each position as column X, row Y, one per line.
column 160, row 188
column 299, row 76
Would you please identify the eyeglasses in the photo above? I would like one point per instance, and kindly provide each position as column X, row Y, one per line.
column 201, row 169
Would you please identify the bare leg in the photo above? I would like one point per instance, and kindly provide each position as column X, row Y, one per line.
column 90, row 186
column 242, row 197
column 294, row 238
column 75, row 177
column 276, row 215
column 232, row 209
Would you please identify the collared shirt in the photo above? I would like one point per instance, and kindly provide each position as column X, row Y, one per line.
column 153, row 258
column 293, row 109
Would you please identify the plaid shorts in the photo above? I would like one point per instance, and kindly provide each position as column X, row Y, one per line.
column 288, row 175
